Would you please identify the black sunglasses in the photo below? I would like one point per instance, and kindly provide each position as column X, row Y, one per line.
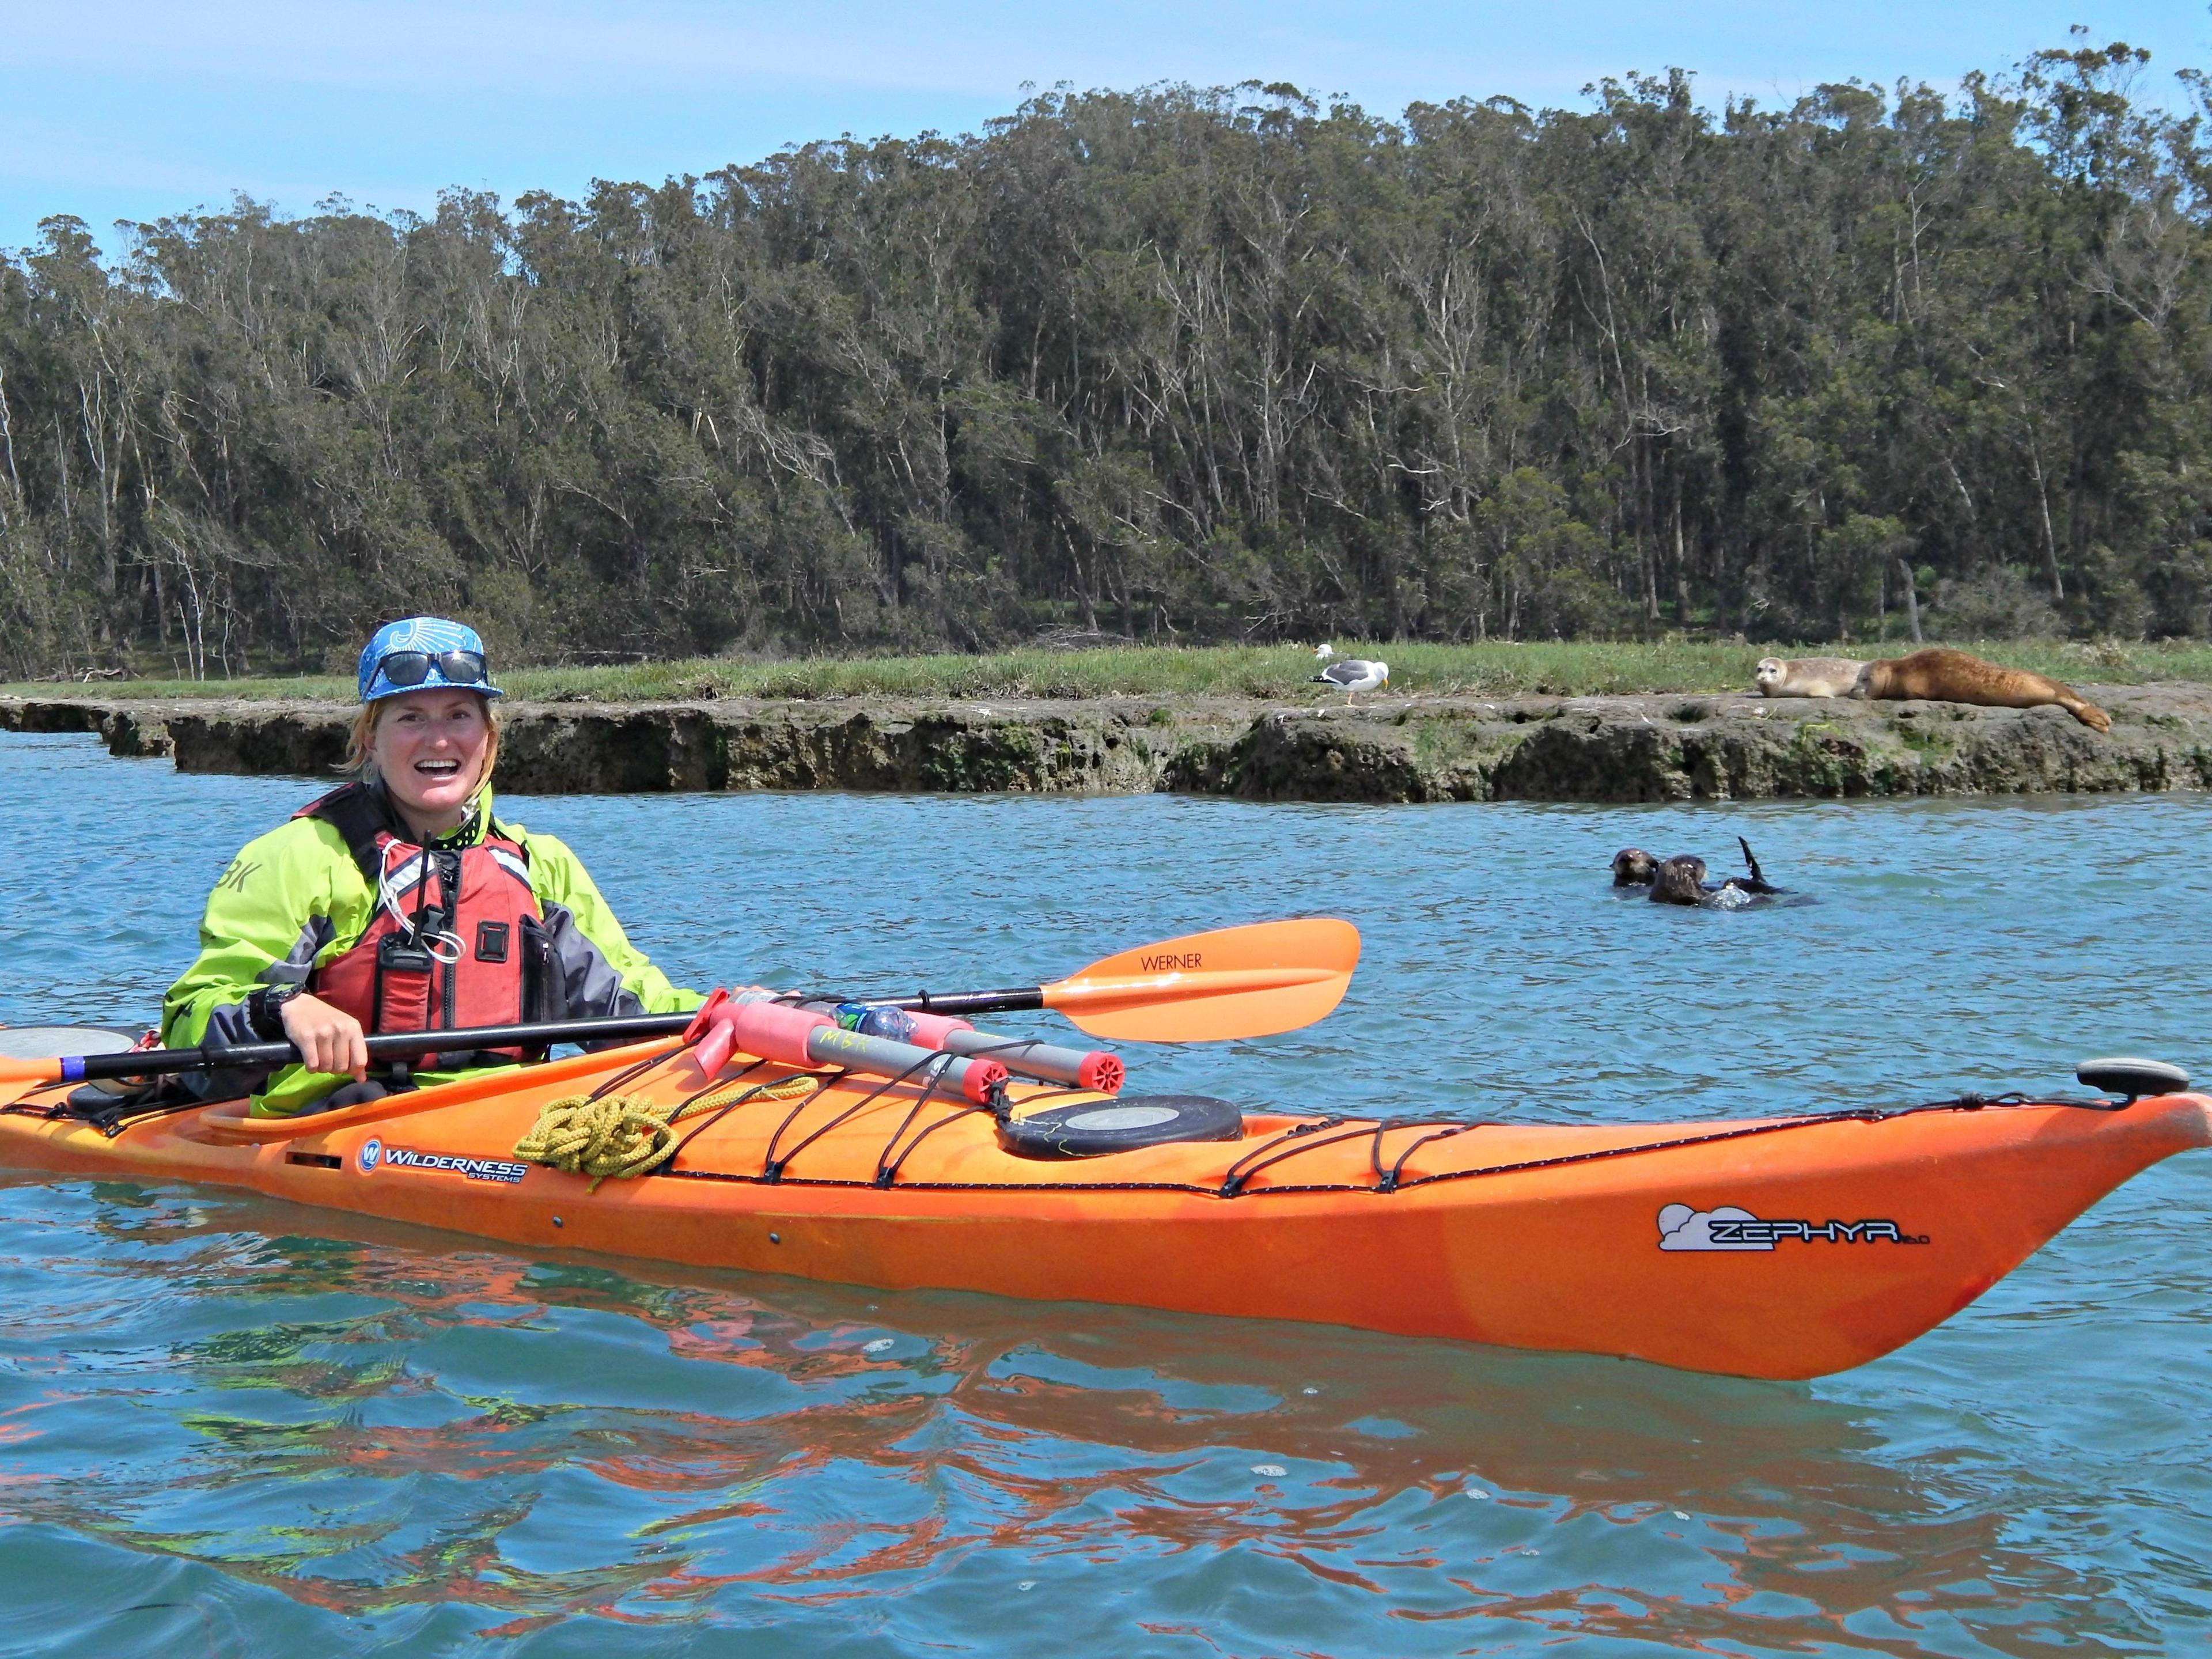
column 413, row 668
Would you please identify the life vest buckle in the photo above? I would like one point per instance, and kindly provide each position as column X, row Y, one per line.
column 402, row 953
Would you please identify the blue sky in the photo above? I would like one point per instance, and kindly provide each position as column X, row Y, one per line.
column 131, row 109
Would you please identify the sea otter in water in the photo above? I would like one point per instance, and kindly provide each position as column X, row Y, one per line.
column 1682, row 880
column 1632, row 867
column 1946, row 676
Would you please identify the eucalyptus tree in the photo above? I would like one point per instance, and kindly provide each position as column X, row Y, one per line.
column 1176, row 363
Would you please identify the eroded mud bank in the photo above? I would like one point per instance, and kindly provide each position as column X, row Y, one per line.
column 1574, row 749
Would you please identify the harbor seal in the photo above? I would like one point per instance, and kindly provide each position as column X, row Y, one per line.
column 1808, row 676
column 1945, row 676
column 1632, row 867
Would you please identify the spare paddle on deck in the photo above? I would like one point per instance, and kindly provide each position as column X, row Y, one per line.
column 798, row 1036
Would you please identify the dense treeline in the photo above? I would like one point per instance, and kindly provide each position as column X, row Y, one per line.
column 1171, row 364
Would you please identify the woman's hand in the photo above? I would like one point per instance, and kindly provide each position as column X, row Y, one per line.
column 329, row 1039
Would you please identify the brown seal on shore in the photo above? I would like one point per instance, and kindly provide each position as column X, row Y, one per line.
column 1808, row 676
column 1946, row 676
column 1632, row 867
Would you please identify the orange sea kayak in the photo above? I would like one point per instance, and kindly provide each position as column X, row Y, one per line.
column 1776, row 1248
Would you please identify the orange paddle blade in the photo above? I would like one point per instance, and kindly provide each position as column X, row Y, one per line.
column 1208, row 987
column 19, row 1077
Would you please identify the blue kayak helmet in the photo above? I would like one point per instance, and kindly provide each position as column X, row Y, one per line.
column 419, row 654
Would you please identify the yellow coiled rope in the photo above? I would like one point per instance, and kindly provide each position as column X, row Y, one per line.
column 625, row 1135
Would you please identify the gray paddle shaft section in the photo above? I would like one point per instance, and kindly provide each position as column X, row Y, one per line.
column 826, row 1045
column 1039, row 1060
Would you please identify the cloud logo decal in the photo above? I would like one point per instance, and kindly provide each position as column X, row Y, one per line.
column 1725, row 1227
column 1681, row 1228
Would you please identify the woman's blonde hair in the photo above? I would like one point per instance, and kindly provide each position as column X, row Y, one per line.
column 360, row 755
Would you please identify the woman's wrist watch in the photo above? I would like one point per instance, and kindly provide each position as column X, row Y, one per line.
column 265, row 1010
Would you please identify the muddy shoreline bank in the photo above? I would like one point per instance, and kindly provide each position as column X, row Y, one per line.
column 1599, row 749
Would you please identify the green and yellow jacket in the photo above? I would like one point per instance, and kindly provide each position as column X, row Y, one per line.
column 294, row 900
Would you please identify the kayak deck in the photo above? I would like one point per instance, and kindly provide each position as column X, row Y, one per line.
column 1786, row 1247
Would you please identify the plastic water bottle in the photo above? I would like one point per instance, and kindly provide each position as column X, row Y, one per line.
column 893, row 1024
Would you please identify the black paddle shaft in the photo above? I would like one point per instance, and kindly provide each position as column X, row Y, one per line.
column 962, row 1003
column 261, row 1056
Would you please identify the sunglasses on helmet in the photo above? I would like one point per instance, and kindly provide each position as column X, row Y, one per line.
column 413, row 668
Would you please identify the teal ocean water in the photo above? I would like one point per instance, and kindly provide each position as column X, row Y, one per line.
column 233, row 1427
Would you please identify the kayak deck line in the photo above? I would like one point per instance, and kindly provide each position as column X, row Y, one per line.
column 1393, row 1179
column 1302, row 1137
column 1298, row 1135
column 1782, row 1247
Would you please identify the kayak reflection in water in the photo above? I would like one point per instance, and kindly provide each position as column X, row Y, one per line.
column 398, row 903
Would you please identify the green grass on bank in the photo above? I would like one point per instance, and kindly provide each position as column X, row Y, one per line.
column 1279, row 672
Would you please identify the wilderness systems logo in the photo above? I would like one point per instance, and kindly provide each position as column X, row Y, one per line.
column 1725, row 1227
column 373, row 1152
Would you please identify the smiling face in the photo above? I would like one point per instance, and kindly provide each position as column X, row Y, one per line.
column 430, row 748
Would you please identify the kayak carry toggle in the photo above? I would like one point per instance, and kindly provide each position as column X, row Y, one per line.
column 2131, row 1077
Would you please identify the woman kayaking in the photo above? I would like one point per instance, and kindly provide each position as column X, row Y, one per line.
column 397, row 903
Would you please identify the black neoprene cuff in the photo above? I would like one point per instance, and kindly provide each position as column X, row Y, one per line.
column 265, row 1010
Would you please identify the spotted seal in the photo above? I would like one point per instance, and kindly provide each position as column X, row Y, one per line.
column 1808, row 676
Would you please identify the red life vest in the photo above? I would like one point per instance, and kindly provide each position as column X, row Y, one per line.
column 456, row 940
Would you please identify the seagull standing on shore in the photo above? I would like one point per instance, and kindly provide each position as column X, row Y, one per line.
column 1354, row 675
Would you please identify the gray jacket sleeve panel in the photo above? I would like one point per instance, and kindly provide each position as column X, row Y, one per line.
column 593, row 989
column 298, row 962
column 227, row 1024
